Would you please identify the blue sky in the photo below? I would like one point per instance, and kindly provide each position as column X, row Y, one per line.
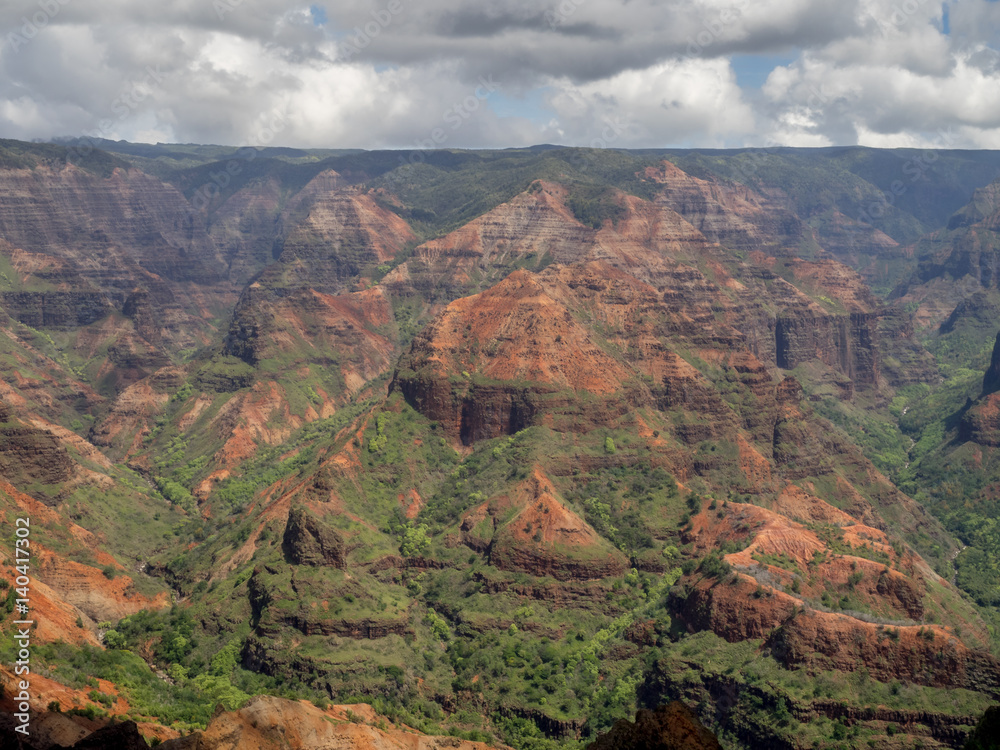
column 752, row 70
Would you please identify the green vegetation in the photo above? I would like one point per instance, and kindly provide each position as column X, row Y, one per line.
column 595, row 205
column 415, row 540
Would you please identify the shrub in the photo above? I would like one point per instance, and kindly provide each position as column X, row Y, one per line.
column 114, row 639
column 714, row 566
column 414, row 541
column 99, row 697
column 438, row 626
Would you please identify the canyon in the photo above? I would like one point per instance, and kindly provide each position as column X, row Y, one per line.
column 507, row 468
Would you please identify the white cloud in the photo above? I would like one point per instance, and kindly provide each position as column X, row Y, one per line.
column 873, row 101
column 678, row 101
column 871, row 71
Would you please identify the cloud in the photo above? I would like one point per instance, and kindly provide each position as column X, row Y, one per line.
column 883, row 99
column 387, row 73
column 675, row 102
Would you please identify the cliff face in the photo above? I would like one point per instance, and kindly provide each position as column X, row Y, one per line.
column 702, row 287
column 847, row 343
column 925, row 655
column 514, row 373
column 530, row 230
column 958, row 275
column 31, row 455
column 736, row 705
column 980, row 423
column 528, row 341
column 126, row 220
column 991, row 381
column 669, row 727
column 80, row 244
column 310, row 542
column 354, row 328
column 55, row 309
column 729, row 214
column 339, row 234
column 268, row 723
column 248, row 228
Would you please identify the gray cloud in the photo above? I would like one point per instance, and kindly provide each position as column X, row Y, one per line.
column 389, row 73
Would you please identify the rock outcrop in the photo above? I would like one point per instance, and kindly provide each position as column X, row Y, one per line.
column 991, row 381
column 55, row 309
column 848, row 343
column 981, row 423
column 926, row 655
column 32, row 455
column 268, row 723
column 532, row 531
column 986, row 735
column 669, row 727
column 309, row 541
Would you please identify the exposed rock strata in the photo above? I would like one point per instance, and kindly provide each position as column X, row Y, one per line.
column 308, row 541
column 268, row 723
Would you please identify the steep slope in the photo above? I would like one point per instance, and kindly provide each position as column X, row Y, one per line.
column 532, row 531
column 116, row 233
column 271, row 723
column 957, row 280
column 959, row 472
column 655, row 244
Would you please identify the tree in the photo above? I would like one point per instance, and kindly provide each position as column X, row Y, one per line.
column 114, row 639
column 415, row 541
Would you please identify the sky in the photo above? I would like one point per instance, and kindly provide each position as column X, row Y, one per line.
column 414, row 74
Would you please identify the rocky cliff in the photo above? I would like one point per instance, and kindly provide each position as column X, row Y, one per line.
column 512, row 380
column 655, row 244
column 309, row 542
column 981, row 423
column 980, row 420
column 959, row 269
column 926, row 654
column 268, row 723
column 669, row 727
column 991, row 381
